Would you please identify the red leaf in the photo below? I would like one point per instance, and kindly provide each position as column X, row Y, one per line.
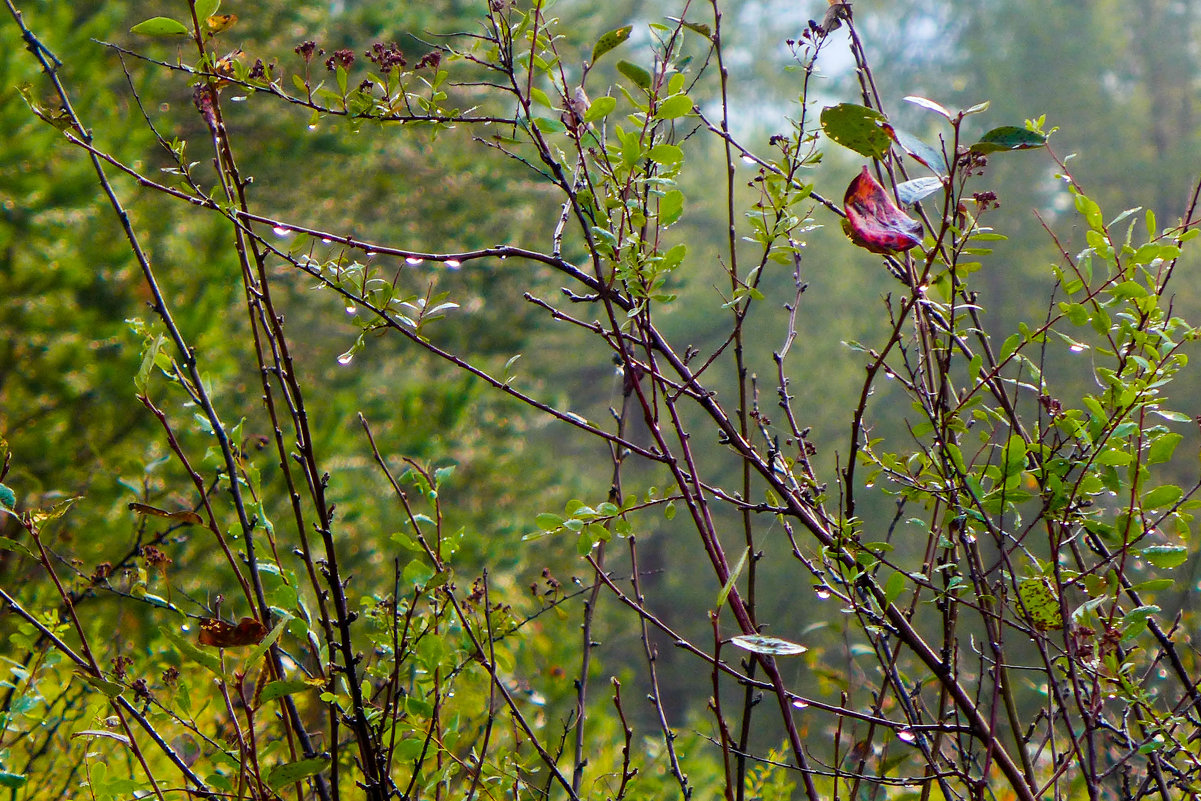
column 874, row 221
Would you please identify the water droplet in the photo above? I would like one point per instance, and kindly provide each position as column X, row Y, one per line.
column 367, row 254
column 238, row 98
column 345, row 358
column 1078, row 348
column 350, row 309
column 413, row 260
column 313, row 127
column 281, row 231
column 822, row 592
column 749, row 160
column 800, row 703
column 453, row 264
column 906, row 735
column 325, row 240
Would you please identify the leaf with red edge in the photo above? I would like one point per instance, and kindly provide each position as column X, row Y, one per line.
column 874, row 221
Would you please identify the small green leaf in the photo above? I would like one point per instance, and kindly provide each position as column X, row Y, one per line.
column 259, row 650
column 1165, row 557
column 210, row 661
column 207, row 8
column 734, row 574
column 600, row 108
column 548, row 522
column 548, row 125
column 674, row 106
column 11, row 781
column 160, row 26
column 610, row 40
column 8, row 498
column 282, row 775
column 919, row 150
column 669, row 511
column 772, row 646
column 1008, row 137
column 1163, row 447
column 635, row 73
column 911, row 192
column 110, row 689
column 857, row 128
column 671, row 207
column 1158, row 498
column 664, row 153
column 278, row 689
column 894, row 587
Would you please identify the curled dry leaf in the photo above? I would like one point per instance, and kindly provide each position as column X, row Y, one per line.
column 226, row 635
column 874, row 221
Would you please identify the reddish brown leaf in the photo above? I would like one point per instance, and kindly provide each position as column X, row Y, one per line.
column 874, row 221
column 226, row 635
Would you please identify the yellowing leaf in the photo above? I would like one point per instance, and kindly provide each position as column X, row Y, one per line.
column 1040, row 603
column 219, row 22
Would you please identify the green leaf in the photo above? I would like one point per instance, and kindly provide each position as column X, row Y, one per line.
column 857, row 128
column 1165, row 556
column 1163, row 447
column 548, row 522
column 254, row 656
column 919, row 150
column 11, row 781
column 110, row 689
column 638, row 75
column 610, row 40
column 674, row 106
column 8, row 498
column 278, row 689
column 911, row 192
column 772, row 646
column 548, row 125
column 894, row 587
column 160, row 26
column 206, row 8
column 1158, row 498
column 282, row 775
column 671, row 207
column 600, row 108
column 8, row 544
column 1008, row 137
column 210, row 661
column 734, row 574
column 664, row 153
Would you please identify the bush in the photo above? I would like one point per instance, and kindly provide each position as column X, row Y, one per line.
column 322, row 585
